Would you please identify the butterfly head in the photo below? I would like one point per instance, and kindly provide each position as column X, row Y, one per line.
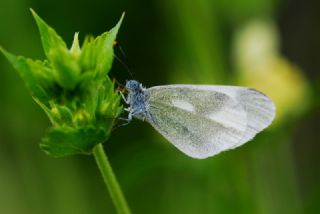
column 133, row 85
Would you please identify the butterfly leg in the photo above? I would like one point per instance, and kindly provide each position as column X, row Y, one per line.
column 126, row 100
column 138, row 113
column 130, row 115
column 127, row 121
column 127, row 109
column 132, row 112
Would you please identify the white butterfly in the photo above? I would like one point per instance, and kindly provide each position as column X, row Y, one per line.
column 201, row 120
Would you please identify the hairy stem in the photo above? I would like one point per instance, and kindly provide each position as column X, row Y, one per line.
column 110, row 180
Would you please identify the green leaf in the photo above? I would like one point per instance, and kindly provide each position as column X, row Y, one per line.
column 62, row 141
column 109, row 105
column 50, row 39
column 36, row 74
column 66, row 68
column 64, row 62
column 75, row 47
column 61, row 115
column 97, row 54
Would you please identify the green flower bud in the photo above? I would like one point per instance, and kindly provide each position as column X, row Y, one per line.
column 73, row 88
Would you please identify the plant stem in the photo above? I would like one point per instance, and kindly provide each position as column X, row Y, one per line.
column 110, row 180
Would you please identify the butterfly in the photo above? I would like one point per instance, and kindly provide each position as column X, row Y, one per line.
column 201, row 120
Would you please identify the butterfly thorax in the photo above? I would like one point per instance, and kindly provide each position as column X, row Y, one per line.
column 137, row 99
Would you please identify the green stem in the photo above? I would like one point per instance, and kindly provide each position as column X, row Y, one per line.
column 110, row 180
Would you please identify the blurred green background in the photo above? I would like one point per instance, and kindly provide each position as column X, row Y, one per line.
column 266, row 44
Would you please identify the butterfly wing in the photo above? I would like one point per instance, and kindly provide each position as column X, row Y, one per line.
column 202, row 121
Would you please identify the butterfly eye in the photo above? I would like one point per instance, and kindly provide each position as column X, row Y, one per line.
column 132, row 85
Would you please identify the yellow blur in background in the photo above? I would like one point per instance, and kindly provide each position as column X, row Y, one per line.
column 261, row 65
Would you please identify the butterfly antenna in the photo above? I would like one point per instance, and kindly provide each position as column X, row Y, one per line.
column 126, row 63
